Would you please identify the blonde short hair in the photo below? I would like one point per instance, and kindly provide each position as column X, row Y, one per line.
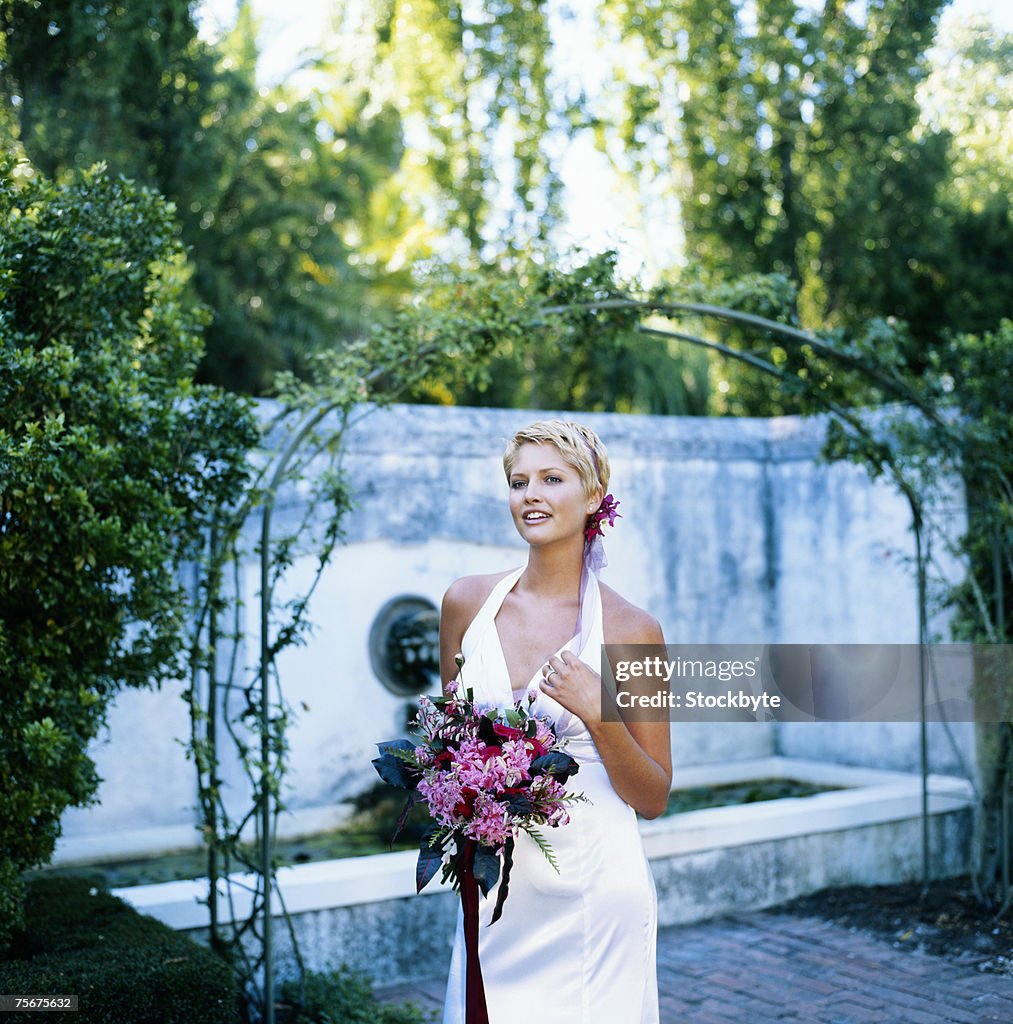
column 580, row 447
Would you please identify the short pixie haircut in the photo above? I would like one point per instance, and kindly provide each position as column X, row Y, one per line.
column 580, row 447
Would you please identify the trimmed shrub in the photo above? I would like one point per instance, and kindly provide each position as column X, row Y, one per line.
column 122, row 965
column 342, row 997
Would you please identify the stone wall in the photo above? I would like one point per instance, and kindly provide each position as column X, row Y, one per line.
column 732, row 531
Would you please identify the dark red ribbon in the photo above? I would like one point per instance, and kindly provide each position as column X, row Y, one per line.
column 475, row 1009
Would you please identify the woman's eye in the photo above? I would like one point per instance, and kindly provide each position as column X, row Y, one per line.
column 515, row 484
column 554, row 479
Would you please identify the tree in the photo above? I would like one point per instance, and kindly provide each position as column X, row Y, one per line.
column 111, row 461
column 967, row 282
column 800, row 131
column 474, row 85
column 268, row 187
column 797, row 127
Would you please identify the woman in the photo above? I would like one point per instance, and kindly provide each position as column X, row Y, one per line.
column 577, row 946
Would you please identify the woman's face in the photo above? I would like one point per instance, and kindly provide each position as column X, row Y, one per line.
column 547, row 499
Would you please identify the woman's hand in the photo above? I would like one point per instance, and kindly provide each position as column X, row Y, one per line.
column 573, row 684
column 636, row 754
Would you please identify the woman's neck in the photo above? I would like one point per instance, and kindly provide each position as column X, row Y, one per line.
column 553, row 570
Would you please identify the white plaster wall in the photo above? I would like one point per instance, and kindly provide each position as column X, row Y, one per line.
column 731, row 532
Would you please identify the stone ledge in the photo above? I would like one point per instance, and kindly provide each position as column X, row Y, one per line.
column 889, row 801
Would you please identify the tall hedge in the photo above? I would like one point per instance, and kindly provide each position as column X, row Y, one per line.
column 111, row 462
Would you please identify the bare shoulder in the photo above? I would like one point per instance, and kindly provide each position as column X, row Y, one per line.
column 625, row 623
column 461, row 603
column 466, row 595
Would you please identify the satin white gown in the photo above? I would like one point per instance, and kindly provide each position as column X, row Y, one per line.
column 577, row 947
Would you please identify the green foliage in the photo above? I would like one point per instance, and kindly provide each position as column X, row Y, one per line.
column 271, row 230
column 111, row 460
column 797, row 130
column 122, row 965
column 966, row 282
column 976, row 372
column 549, row 341
column 344, row 997
column 808, row 154
column 267, row 185
column 958, row 423
column 812, row 144
column 476, row 81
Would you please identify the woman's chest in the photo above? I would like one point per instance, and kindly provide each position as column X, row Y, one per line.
column 528, row 636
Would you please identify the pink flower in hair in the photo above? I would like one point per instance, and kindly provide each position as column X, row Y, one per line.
column 606, row 510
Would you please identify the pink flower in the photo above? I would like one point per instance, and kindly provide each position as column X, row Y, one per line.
column 479, row 790
column 606, row 510
column 558, row 817
column 491, row 822
column 442, row 792
column 516, row 761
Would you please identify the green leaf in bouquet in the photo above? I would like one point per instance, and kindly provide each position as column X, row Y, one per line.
column 557, row 764
column 486, row 868
column 392, row 767
column 430, row 859
column 504, row 886
column 543, row 844
column 518, row 803
column 486, row 733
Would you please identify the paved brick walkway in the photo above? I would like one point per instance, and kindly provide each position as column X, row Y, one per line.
column 767, row 966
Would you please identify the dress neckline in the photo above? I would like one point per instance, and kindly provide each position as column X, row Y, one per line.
column 517, row 693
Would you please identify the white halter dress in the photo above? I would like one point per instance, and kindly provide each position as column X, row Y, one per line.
column 577, row 947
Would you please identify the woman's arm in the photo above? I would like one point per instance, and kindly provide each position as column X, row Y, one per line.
column 636, row 755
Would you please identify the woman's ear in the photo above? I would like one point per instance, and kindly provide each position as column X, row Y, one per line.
column 595, row 500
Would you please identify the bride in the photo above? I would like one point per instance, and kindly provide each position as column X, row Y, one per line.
column 577, row 946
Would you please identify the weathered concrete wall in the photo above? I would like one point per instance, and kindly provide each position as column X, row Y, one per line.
column 731, row 532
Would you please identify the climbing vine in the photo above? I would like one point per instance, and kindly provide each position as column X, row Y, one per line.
column 947, row 420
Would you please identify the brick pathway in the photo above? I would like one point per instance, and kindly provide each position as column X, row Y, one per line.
column 767, row 966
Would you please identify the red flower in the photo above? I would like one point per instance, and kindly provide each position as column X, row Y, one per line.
column 606, row 510
column 508, row 732
column 466, row 807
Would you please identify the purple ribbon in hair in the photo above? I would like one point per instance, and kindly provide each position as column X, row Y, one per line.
column 594, row 561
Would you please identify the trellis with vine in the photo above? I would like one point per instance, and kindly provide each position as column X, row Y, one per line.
column 455, row 331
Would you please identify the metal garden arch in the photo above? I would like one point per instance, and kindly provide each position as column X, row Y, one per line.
column 313, row 417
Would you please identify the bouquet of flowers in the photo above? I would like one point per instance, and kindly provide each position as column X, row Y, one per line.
column 485, row 774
